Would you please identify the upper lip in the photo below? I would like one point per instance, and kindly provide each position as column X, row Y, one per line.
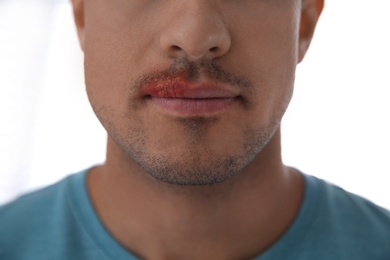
column 187, row 90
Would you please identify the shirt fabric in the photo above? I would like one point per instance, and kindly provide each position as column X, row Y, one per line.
column 59, row 222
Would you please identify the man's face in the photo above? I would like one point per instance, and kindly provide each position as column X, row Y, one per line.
column 191, row 91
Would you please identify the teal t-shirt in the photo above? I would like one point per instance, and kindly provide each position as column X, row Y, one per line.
column 59, row 222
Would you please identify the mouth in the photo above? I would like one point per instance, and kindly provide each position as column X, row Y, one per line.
column 186, row 99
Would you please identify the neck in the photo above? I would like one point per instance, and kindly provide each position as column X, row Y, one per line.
column 238, row 218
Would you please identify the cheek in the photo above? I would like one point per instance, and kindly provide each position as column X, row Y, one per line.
column 108, row 71
column 116, row 48
column 270, row 59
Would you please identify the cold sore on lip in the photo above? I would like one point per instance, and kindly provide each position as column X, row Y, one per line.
column 186, row 99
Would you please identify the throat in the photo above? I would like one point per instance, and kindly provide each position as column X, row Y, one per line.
column 240, row 219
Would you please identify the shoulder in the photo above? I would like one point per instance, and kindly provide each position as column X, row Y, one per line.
column 33, row 209
column 356, row 209
column 42, row 224
column 349, row 224
column 25, row 222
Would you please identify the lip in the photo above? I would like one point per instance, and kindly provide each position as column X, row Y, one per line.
column 187, row 99
column 193, row 107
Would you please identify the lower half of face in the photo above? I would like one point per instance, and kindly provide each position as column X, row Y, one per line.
column 183, row 149
column 189, row 142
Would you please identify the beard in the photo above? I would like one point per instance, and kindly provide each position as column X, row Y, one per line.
column 194, row 156
column 193, row 162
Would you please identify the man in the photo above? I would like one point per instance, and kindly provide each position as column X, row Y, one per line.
column 191, row 94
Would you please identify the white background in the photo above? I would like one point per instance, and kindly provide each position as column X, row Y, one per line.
column 337, row 126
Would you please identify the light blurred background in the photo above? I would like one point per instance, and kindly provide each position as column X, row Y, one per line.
column 337, row 126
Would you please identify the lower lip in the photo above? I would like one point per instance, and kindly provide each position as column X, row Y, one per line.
column 193, row 107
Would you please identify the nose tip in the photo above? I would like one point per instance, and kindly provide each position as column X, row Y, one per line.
column 197, row 36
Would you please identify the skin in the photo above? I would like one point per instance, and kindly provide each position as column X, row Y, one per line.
column 194, row 187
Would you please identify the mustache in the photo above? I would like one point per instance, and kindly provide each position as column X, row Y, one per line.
column 192, row 71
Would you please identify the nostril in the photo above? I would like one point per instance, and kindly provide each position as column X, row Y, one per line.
column 175, row 48
column 214, row 49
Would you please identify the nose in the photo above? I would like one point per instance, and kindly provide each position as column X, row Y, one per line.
column 196, row 32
